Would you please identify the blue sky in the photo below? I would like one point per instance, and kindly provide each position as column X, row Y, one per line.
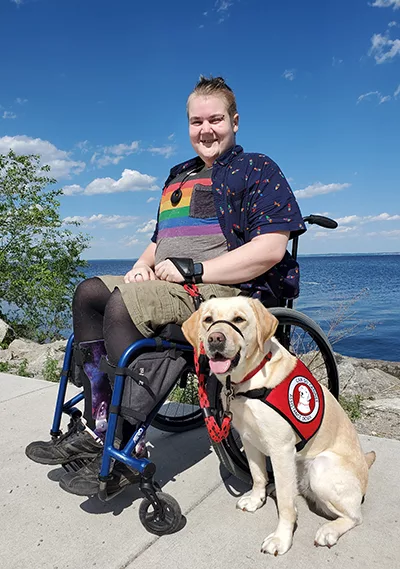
column 99, row 87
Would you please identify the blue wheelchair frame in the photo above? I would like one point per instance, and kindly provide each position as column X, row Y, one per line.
column 144, row 466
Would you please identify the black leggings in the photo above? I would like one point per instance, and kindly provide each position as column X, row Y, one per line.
column 100, row 314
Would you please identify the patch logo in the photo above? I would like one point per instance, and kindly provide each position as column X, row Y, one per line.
column 303, row 399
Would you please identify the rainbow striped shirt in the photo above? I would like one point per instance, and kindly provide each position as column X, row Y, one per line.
column 190, row 228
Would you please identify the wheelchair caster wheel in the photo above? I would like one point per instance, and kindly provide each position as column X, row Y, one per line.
column 162, row 520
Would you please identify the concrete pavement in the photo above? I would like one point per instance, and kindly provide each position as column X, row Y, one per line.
column 44, row 527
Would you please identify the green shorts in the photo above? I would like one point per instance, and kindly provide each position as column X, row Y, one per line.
column 154, row 304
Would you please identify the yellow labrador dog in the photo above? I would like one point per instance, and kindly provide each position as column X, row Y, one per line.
column 331, row 469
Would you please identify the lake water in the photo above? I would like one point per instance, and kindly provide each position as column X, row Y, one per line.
column 360, row 293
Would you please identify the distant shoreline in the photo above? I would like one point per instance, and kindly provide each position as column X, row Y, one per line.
column 395, row 253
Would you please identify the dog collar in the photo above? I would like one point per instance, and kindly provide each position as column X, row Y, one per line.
column 265, row 360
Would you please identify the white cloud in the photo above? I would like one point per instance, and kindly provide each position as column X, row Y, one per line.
column 129, row 241
column 392, row 24
column 390, row 234
column 9, row 115
column 83, row 145
column 386, row 4
column 113, row 154
column 289, row 74
column 381, row 217
column 381, row 98
column 122, row 149
column 336, row 62
column 222, row 8
column 62, row 166
column 348, row 219
column 384, row 49
column 166, row 151
column 147, row 227
column 397, row 92
column 17, row 2
column 318, row 189
column 130, row 181
column 110, row 221
column 104, row 160
column 150, row 200
column 171, row 136
column 21, row 101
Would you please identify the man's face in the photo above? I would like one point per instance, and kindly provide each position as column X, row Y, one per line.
column 211, row 129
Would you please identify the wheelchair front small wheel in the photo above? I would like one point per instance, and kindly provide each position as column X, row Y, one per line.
column 164, row 521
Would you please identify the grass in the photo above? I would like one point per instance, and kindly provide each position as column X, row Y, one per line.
column 4, row 367
column 51, row 370
column 352, row 406
column 187, row 394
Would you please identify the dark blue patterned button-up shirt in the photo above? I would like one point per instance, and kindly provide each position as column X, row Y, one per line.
column 252, row 197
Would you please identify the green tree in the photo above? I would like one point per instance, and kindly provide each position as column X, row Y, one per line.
column 40, row 262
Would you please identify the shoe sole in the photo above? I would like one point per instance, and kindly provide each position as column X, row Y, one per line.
column 119, row 488
column 59, row 461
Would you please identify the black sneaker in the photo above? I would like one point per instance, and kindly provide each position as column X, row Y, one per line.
column 76, row 443
column 85, row 482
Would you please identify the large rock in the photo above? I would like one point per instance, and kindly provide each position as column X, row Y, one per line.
column 6, row 332
column 35, row 355
column 368, row 378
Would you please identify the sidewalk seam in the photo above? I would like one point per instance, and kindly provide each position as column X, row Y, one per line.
column 28, row 393
column 129, row 562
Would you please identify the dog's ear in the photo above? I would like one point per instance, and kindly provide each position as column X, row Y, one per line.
column 190, row 329
column 265, row 321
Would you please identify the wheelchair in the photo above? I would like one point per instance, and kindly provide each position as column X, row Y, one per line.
column 179, row 409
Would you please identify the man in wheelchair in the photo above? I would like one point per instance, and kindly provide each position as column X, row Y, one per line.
column 224, row 221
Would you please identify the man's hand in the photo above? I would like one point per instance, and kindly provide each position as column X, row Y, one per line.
column 140, row 273
column 166, row 271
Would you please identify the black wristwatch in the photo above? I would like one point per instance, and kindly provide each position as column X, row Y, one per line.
column 191, row 272
column 198, row 271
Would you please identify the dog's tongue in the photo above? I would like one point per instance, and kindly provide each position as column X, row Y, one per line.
column 220, row 366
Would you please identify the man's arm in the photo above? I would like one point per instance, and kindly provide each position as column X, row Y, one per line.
column 238, row 266
column 143, row 269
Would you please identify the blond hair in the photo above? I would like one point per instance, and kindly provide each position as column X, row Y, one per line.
column 214, row 86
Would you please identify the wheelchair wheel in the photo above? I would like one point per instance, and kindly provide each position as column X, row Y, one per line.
column 302, row 337
column 181, row 411
column 161, row 524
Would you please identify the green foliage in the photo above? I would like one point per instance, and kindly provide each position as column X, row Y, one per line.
column 352, row 406
column 51, row 370
column 40, row 261
column 188, row 394
column 22, row 368
column 4, row 367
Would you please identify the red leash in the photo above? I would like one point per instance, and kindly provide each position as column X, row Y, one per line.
column 217, row 433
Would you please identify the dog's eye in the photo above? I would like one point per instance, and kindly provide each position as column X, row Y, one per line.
column 208, row 320
column 238, row 319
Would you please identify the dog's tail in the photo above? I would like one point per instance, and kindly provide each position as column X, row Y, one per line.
column 370, row 458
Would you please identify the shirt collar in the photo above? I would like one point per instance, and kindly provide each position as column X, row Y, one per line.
column 197, row 162
column 227, row 157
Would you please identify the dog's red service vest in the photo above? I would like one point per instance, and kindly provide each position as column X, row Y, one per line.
column 299, row 399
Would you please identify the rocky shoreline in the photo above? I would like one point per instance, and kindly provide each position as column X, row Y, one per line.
column 370, row 389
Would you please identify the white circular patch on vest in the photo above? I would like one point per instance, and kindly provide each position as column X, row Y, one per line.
column 303, row 399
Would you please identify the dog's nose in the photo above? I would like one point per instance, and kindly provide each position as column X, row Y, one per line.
column 216, row 340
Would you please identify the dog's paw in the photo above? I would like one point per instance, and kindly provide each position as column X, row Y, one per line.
column 250, row 503
column 276, row 544
column 326, row 535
